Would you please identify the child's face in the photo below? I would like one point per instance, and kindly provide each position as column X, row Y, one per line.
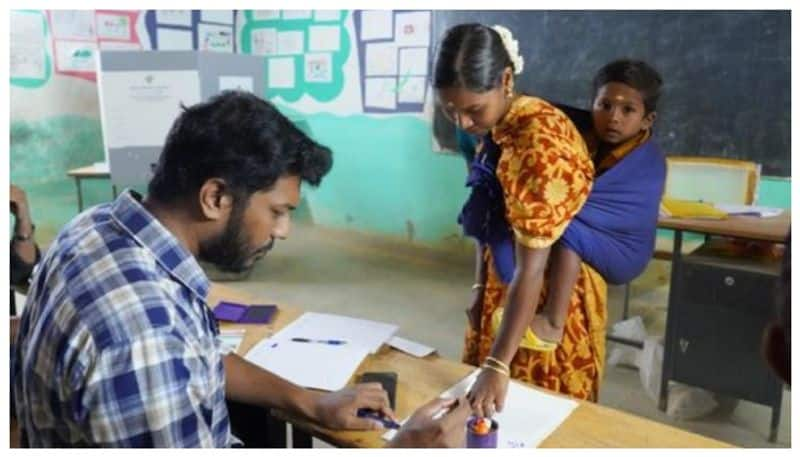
column 618, row 113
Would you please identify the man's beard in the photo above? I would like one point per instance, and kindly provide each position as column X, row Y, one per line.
column 230, row 251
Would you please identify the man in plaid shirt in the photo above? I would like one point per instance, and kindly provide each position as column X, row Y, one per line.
column 117, row 346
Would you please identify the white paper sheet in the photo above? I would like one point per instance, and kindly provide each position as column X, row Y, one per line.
column 312, row 365
column 236, row 83
column 296, row 14
column 218, row 16
column 266, row 15
column 174, row 39
column 290, row 42
column 376, row 24
column 27, row 46
column 100, row 167
column 318, row 68
column 120, row 46
column 323, row 38
column 264, row 42
column 174, row 17
column 412, row 29
column 413, row 61
column 114, row 26
column 327, row 15
column 139, row 107
column 75, row 55
column 380, row 93
column 217, row 38
column 748, row 210
column 280, row 73
column 73, row 24
column 381, row 59
column 411, row 89
column 366, row 333
column 231, row 339
column 410, row 347
column 529, row 416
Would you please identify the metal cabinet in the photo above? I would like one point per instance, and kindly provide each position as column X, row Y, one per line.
column 718, row 309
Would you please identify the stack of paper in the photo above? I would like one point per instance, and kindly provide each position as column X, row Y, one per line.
column 748, row 210
column 671, row 207
column 529, row 416
column 321, row 350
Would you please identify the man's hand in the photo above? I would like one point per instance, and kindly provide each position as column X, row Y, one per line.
column 337, row 410
column 423, row 429
column 19, row 205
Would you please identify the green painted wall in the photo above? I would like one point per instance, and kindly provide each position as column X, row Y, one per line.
column 776, row 192
column 385, row 178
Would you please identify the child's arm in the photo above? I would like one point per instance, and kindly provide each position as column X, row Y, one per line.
column 562, row 275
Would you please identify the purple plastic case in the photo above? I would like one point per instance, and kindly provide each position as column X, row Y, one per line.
column 258, row 314
column 228, row 311
column 243, row 314
column 482, row 441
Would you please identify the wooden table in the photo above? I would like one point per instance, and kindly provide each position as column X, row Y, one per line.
column 90, row 172
column 422, row 379
column 717, row 308
column 747, row 227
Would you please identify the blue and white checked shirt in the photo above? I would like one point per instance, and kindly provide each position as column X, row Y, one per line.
column 117, row 346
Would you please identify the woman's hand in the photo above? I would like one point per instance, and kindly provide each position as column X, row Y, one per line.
column 488, row 394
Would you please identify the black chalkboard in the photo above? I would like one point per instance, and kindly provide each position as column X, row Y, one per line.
column 727, row 74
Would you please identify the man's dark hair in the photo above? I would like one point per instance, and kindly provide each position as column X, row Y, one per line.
column 240, row 138
column 634, row 73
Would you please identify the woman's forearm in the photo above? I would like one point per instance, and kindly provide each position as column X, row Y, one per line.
column 521, row 300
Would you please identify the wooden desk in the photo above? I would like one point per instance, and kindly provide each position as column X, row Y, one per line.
column 747, row 227
column 90, row 172
column 717, row 310
column 420, row 380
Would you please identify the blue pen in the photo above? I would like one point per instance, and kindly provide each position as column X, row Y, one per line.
column 375, row 415
column 310, row 340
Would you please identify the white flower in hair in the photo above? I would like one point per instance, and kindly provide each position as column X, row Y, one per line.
column 512, row 47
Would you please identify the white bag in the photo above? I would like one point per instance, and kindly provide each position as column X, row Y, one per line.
column 684, row 402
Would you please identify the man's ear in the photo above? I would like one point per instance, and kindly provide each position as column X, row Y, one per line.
column 214, row 199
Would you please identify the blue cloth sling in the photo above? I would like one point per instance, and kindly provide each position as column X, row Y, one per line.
column 614, row 231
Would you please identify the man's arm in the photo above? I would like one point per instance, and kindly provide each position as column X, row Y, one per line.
column 248, row 383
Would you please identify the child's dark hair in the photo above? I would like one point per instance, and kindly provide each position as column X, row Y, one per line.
column 471, row 56
column 634, row 73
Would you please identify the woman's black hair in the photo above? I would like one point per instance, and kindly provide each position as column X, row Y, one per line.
column 240, row 138
column 634, row 73
column 471, row 56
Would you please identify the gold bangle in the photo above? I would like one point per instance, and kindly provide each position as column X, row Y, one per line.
column 478, row 285
column 504, row 373
column 497, row 362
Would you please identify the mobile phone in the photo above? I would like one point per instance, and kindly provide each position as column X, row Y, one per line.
column 388, row 380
